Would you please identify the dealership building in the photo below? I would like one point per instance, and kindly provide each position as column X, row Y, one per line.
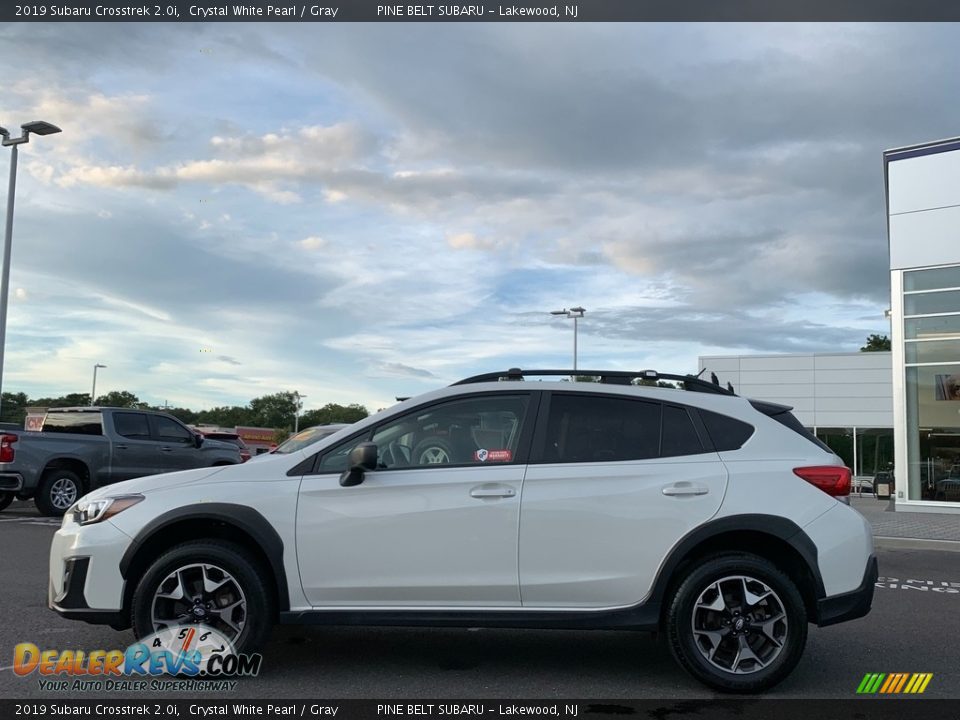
column 846, row 399
column 861, row 404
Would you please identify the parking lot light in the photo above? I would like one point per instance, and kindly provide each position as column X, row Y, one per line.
column 296, row 413
column 576, row 313
column 37, row 127
column 93, row 390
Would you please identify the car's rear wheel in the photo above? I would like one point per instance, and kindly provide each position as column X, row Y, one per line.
column 5, row 499
column 59, row 489
column 433, row 451
column 208, row 582
column 737, row 623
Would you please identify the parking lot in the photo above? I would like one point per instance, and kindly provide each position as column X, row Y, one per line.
column 911, row 629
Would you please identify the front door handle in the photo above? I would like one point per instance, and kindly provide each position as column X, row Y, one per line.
column 492, row 491
column 684, row 488
column 166, row 449
column 119, row 447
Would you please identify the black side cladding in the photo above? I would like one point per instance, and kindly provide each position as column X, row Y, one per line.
column 782, row 414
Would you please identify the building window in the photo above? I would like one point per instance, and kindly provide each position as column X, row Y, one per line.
column 931, row 302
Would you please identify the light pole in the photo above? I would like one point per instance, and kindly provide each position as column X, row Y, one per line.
column 575, row 313
column 93, row 390
column 38, row 127
column 296, row 412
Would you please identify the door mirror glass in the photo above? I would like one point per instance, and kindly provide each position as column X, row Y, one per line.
column 197, row 440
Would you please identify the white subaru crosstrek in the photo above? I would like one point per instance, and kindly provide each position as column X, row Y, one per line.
column 717, row 520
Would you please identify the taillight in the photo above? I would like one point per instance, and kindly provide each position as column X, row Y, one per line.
column 834, row 480
column 6, row 447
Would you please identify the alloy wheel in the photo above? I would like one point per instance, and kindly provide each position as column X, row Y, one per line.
column 200, row 593
column 63, row 493
column 739, row 624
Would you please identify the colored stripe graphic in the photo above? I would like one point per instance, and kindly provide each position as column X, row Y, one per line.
column 894, row 683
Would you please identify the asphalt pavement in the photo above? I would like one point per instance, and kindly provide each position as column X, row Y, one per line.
column 913, row 627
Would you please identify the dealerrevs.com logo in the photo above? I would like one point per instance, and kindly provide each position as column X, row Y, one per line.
column 198, row 656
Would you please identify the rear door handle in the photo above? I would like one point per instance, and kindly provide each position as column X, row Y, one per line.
column 166, row 449
column 492, row 491
column 120, row 447
column 684, row 489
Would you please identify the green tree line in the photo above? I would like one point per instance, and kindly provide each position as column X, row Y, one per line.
column 272, row 411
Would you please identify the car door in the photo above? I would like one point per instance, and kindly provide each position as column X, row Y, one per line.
column 613, row 484
column 175, row 446
column 435, row 525
column 134, row 449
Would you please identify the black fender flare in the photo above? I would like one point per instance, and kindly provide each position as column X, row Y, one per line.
column 779, row 527
column 244, row 518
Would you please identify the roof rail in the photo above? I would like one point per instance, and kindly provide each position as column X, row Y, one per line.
column 610, row 377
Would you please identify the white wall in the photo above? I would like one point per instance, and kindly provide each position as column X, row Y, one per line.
column 924, row 210
column 825, row 389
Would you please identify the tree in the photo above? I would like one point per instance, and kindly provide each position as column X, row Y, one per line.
column 121, row 398
column 333, row 413
column 275, row 410
column 226, row 416
column 876, row 343
column 14, row 407
column 654, row 383
column 70, row 400
column 184, row 415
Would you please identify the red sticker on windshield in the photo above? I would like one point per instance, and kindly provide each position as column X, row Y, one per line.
column 493, row 455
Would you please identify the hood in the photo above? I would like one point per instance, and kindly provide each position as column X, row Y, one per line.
column 155, row 482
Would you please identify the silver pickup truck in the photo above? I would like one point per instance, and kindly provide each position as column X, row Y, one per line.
column 79, row 449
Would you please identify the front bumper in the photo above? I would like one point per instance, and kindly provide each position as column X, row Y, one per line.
column 85, row 581
column 851, row 605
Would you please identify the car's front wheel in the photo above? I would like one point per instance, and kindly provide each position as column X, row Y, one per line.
column 737, row 623
column 208, row 582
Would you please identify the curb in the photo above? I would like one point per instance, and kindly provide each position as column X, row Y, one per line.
column 898, row 543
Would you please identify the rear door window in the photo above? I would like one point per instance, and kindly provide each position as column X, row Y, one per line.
column 680, row 436
column 132, row 425
column 596, row 428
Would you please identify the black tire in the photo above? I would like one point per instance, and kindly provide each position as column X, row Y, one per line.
column 258, row 614
column 756, row 628
column 5, row 499
column 59, row 489
column 433, row 451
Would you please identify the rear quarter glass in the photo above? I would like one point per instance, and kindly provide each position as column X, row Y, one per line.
column 726, row 432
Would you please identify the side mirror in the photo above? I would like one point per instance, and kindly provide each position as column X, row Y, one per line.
column 197, row 440
column 362, row 458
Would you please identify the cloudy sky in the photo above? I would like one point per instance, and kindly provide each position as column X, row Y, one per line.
column 364, row 211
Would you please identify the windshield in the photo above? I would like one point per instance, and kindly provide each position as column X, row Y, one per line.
column 306, row 437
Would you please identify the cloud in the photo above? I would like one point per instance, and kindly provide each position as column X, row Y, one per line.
column 314, row 242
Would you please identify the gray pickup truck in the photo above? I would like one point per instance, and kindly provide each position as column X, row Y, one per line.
column 79, row 449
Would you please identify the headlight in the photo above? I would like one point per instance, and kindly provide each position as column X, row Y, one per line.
column 87, row 512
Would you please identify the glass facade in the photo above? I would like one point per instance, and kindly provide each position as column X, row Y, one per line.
column 931, row 307
column 866, row 451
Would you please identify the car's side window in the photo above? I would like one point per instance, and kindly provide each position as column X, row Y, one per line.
column 679, row 436
column 170, row 431
column 726, row 432
column 467, row 431
column 132, row 425
column 334, row 459
column 591, row 428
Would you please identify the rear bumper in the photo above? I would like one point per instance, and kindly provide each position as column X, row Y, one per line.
column 851, row 605
column 11, row 482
